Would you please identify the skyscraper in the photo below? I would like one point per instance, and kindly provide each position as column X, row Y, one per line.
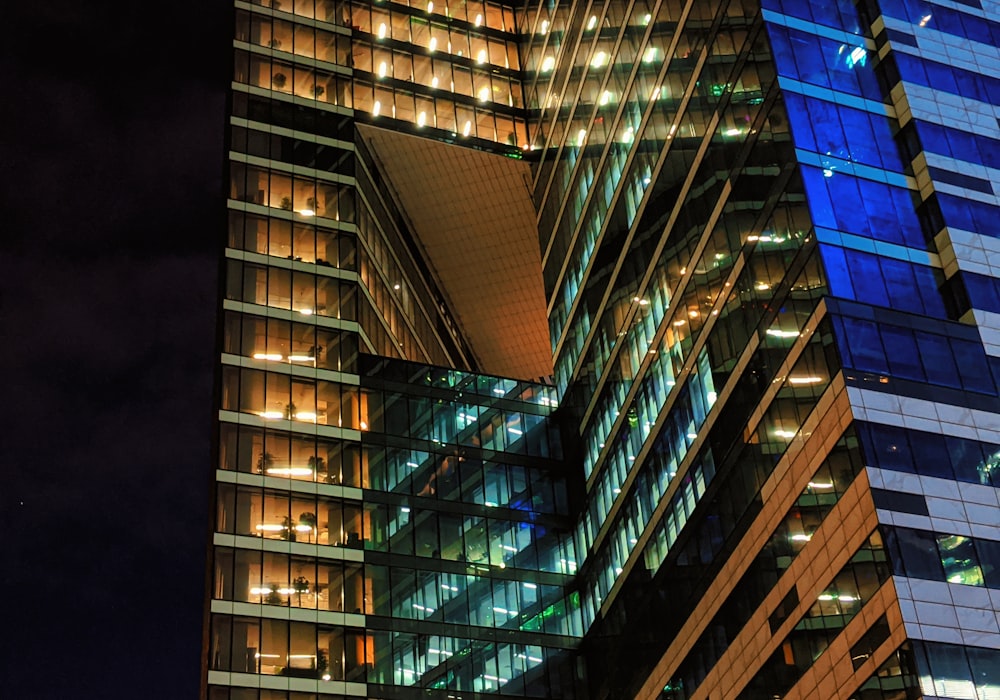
column 610, row 349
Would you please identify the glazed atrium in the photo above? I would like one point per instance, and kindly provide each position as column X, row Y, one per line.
column 609, row 349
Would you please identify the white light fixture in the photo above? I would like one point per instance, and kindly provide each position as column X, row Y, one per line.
column 274, row 357
column 306, row 312
column 484, row 94
column 270, row 527
column 301, row 358
column 382, row 69
column 290, row 471
column 787, row 434
column 479, row 20
column 467, row 128
column 820, row 485
column 804, row 380
column 801, row 538
column 545, row 27
column 605, row 97
column 782, row 334
column 481, row 56
column 650, row 55
column 421, row 120
column 381, row 31
column 306, row 415
column 272, row 415
column 548, row 63
column 599, row 59
column 581, row 137
column 307, row 212
column 592, row 22
column 376, row 108
column 433, row 44
column 434, row 81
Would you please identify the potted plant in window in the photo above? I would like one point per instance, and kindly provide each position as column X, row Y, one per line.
column 308, row 520
column 318, row 91
column 278, row 80
column 264, row 462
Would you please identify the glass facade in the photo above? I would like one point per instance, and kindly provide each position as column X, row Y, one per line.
column 424, row 542
column 769, row 446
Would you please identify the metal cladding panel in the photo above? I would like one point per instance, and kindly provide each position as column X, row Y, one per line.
column 472, row 213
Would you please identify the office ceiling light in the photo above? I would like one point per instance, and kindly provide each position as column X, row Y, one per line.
column 650, row 55
column 381, row 31
column 432, row 44
column 289, row 471
column 545, row 27
column 484, row 94
column 599, row 59
column 266, row 356
column 376, row 108
column 777, row 333
column 479, row 20
column 805, row 380
column 592, row 22
column 421, row 120
column 382, row 68
column 581, row 137
column 548, row 63
column 301, row 358
column 606, row 97
column 467, row 128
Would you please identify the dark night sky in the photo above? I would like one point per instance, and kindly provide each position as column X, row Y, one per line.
column 110, row 214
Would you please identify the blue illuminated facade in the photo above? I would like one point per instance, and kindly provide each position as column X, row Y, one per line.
column 769, row 240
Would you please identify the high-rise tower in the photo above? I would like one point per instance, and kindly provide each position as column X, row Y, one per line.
column 741, row 260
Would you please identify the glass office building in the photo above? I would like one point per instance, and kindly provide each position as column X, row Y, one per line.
column 741, row 262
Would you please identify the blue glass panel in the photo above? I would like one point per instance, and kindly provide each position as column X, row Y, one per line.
column 939, row 363
column 850, row 212
column 984, row 292
column 820, row 206
column 866, row 346
column 928, row 282
column 932, row 456
column 934, row 138
column 800, row 121
column 901, row 284
column 866, row 275
column 909, row 224
column 901, row 349
column 809, row 58
column 975, row 372
column 838, row 276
